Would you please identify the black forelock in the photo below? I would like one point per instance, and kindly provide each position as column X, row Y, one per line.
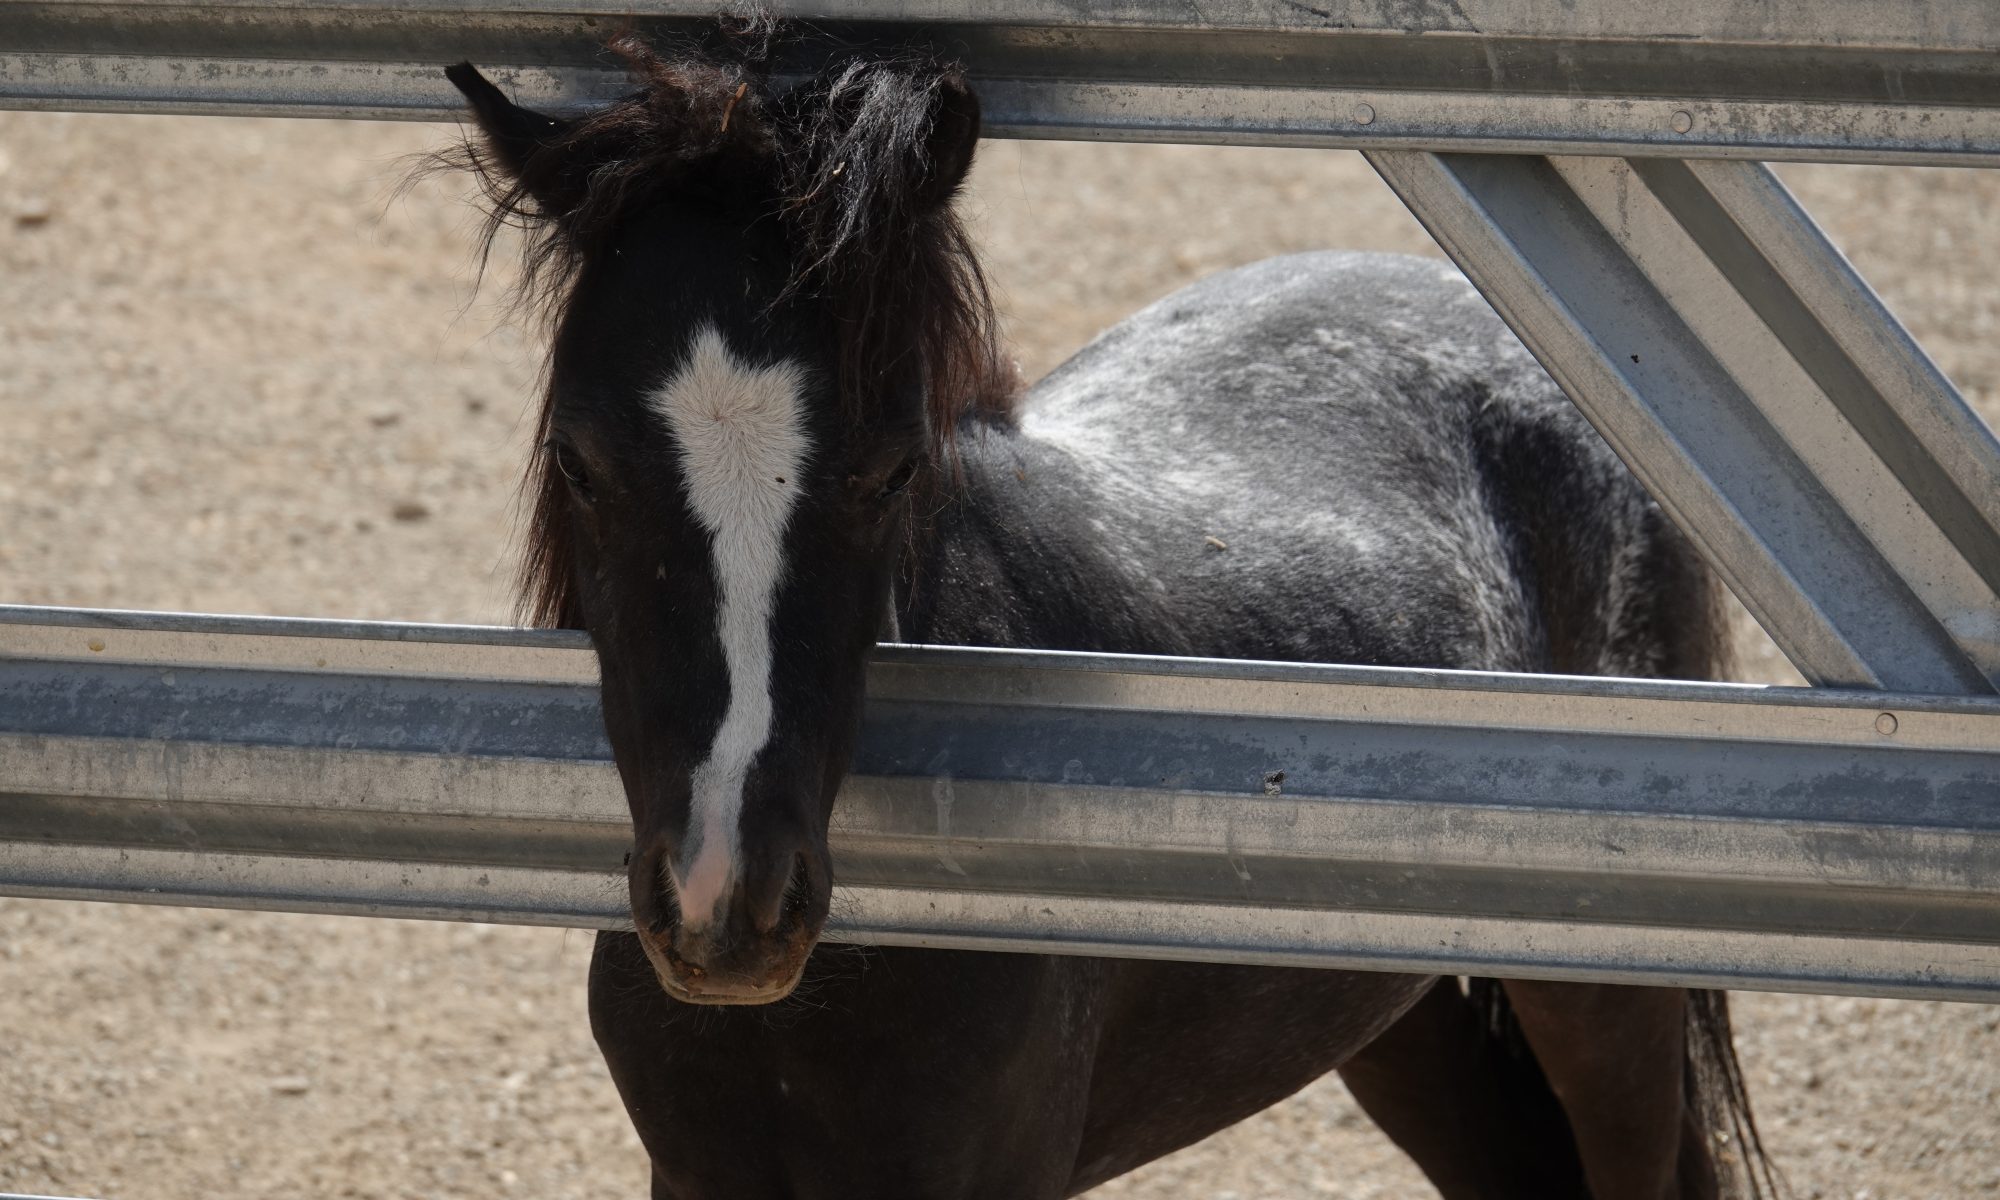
column 696, row 126
column 841, row 162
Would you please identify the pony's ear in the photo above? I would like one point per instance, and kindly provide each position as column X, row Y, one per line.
column 953, row 138
column 518, row 139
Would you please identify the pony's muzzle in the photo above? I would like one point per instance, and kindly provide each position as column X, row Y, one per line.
column 754, row 947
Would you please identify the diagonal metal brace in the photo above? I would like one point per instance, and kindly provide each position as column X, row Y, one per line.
column 1762, row 392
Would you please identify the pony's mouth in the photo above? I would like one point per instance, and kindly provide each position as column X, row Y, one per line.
column 693, row 983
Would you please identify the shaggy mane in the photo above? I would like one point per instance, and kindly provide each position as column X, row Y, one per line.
column 830, row 158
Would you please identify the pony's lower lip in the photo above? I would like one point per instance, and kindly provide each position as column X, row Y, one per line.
column 727, row 994
column 768, row 996
column 690, row 984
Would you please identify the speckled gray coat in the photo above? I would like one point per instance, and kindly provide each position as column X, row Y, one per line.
column 1330, row 457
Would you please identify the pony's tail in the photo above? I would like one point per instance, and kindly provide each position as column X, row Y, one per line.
column 1718, row 1104
column 1723, row 1130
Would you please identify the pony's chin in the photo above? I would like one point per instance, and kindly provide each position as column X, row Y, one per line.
column 689, row 984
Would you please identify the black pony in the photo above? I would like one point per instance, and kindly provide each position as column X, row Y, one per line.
column 777, row 429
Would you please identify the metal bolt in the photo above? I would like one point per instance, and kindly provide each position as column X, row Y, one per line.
column 1683, row 121
column 1886, row 723
column 1364, row 114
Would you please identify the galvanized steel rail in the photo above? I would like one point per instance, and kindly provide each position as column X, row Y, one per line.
column 1248, row 812
column 1845, row 80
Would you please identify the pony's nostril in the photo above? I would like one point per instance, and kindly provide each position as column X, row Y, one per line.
column 655, row 904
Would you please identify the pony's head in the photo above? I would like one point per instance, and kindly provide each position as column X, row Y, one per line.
column 767, row 324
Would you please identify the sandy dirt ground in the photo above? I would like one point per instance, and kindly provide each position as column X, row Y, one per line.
column 236, row 376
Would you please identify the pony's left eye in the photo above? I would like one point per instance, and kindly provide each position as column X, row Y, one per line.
column 894, row 485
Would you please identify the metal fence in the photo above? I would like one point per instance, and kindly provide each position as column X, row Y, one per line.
column 1420, row 820
column 1590, row 166
column 1848, row 80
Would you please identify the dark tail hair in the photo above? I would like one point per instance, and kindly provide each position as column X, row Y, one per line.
column 1696, row 628
column 1718, row 1104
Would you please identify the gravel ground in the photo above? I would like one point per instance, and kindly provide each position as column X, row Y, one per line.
column 237, row 375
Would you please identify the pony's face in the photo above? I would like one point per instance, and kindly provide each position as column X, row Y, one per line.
column 723, row 513
column 733, row 535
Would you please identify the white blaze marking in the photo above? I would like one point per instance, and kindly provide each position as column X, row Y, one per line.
column 742, row 440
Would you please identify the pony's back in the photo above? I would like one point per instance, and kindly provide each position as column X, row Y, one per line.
column 1340, row 457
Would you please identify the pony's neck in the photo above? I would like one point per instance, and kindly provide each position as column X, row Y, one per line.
column 1022, row 553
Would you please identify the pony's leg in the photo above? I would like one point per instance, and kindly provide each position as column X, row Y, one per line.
column 1616, row 1057
column 1472, row 1112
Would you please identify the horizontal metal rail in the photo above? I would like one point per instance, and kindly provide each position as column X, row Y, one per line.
column 1806, row 840
column 1838, row 80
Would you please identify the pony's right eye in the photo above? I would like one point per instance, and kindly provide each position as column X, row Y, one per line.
column 894, row 485
column 570, row 463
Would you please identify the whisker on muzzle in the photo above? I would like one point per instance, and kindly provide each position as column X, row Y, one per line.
column 798, row 892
